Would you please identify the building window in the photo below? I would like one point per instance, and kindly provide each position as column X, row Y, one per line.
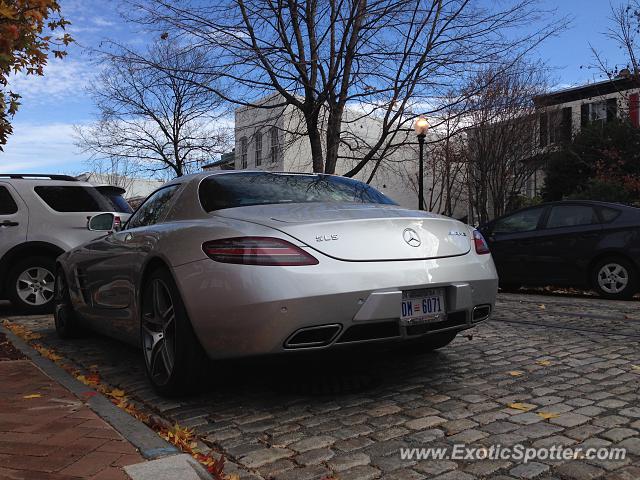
column 555, row 126
column 597, row 111
column 601, row 111
column 274, row 144
column 258, row 149
column 243, row 152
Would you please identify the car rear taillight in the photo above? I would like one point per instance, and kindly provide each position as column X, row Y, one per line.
column 482, row 247
column 257, row 251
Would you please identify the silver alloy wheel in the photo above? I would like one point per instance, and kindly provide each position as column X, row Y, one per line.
column 158, row 332
column 613, row 278
column 35, row 286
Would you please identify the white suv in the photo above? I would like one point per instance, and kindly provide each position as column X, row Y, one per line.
column 41, row 216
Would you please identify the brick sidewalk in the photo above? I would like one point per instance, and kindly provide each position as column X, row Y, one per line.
column 53, row 436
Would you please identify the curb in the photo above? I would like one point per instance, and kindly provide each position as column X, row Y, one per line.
column 150, row 445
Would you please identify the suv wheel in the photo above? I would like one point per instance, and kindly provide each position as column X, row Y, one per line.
column 615, row 278
column 31, row 284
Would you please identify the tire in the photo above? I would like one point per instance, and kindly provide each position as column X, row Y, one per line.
column 173, row 357
column 30, row 285
column 66, row 319
column 615, row 278
column 438, row 340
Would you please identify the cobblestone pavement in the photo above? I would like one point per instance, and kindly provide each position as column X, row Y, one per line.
column 576, row 359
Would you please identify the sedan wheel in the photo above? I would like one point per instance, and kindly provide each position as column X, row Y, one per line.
column 615, row 278
column 173, row 357
column 64, row 315
column 159, row 333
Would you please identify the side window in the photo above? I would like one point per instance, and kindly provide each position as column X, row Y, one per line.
column 524, row 221
column 609, row 214
column 72, row 198
column 151, row 211
column 571, row 216
column 7, row 203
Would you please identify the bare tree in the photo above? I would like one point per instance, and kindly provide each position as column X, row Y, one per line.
column 150, row 119
column 502, row 142
column 389, row 59
column 120, row 172
column 624, row 31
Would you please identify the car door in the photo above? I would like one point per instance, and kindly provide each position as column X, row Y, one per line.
column 566, row 243
column 14, row 219
column 511, row 239
column 111, row 266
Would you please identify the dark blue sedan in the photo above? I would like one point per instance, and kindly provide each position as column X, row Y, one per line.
column 569, row 243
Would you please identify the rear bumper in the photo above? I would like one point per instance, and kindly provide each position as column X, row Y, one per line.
column 241, row 310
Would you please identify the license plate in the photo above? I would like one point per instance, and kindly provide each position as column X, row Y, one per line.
column 423, row 305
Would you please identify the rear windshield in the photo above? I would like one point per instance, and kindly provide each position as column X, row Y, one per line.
column 73, row 199
column 261, row 188
column 118, row 203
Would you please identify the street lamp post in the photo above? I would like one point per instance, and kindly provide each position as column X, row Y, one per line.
column 421, row 126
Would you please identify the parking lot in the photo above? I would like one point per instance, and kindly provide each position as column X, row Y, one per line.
column 544, row 371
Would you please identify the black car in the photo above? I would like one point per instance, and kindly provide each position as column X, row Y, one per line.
column 569, row 243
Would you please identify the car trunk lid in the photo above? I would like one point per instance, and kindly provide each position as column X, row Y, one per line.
column 362, row 232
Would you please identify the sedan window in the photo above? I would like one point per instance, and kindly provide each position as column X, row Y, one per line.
column 153, row 209
column 571, row 216
column 608, row 214
column 262, row 188
column 524, row 221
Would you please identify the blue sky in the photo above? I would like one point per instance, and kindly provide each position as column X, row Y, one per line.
column 51, row 105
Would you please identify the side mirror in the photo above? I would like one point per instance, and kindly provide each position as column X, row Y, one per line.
column 104, row 222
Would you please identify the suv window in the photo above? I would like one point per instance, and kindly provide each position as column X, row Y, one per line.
column 72, row 199
column 524, row 221
column 118, row 203
column 572, row 216
column 153, row 208
column 7, row 203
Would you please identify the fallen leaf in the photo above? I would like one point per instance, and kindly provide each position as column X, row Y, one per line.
column 92, row 379
column 48, row 353
column 544, row 363
column 635, row 367
column 542, row 307
column 33, row 395
column 116, row 393
column 548, row 415
column 525, row 407
column 515, row 373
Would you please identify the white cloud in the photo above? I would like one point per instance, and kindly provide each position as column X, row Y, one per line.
column 62, row 80
column 41, row 148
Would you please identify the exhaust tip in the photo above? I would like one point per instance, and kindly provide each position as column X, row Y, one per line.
column 481, row 312
column 313, row 336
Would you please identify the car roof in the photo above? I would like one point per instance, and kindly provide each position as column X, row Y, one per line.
column 202, row 175
column 41, row 181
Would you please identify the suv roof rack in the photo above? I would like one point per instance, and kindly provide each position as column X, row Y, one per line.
column 38, row 176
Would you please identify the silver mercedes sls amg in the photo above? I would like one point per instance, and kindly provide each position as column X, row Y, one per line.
column 246, row 263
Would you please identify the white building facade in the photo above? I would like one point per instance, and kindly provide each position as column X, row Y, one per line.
column 273, row 139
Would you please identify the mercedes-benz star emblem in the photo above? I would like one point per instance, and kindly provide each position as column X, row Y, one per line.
column 411, row 237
